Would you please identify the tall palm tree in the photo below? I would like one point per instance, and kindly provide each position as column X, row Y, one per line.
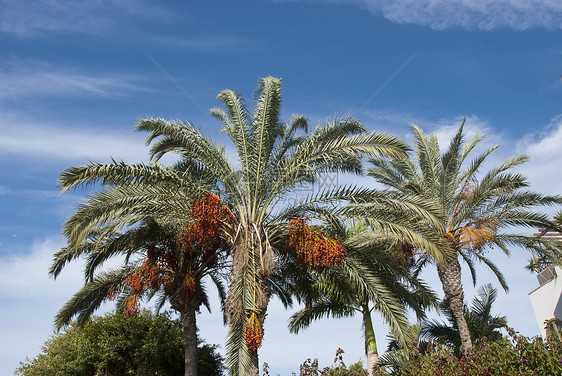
column 274, row 159
column 474, row 213
column 166, row 252
column 375, row 277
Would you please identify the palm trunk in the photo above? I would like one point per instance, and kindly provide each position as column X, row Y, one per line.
column 450, row 276
column 254, row 368
column 188, row 321
column 252, row 265
column 370, row 341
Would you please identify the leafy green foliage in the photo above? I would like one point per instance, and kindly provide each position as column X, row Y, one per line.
column 514, row 355
column 113, row 344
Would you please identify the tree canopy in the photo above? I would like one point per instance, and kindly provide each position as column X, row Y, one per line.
column 116, row 345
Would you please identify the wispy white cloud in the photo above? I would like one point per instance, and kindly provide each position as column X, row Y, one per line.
column 41, row 79
column 468, row 14
column 28, row 138
column 27, row 275
column 30, row 18
column 543, row 148
column 444, row 128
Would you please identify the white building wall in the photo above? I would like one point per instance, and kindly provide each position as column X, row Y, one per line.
column 547, row 302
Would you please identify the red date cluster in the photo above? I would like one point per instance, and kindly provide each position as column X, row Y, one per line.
column 201, row 238
column 313, row 247
column 209, row 212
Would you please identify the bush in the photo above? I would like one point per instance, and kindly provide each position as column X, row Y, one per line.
column 514, row 355
column 113, row 344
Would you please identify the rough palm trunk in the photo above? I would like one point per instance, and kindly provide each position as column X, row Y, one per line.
column 370, row 341
column 450, row 276
column 255, row 369
column 257, row 286
column 188, row 321
column 264, row 293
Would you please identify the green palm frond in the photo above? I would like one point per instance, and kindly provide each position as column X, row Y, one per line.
column 119, row 173
column 90, row 297
column 318, row 310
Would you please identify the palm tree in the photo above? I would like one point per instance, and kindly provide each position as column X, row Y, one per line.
column 170, row 246
column 376, row 277
column 479, row 318
column 274, row 159
column 474, row 214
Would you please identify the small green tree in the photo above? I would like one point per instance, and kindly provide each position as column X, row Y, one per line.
column 114, row 344
column 481, row 322
column 376, row 277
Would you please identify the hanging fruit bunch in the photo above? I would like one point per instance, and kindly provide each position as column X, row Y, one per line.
column 188, row 286
column 209, row 212
column 159, row 269
column 313, row 247
column 150, row 275
column 131, row 305
column 253, row 333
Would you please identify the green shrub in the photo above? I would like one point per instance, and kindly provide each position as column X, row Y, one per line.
column 113, row 344
column 513, row 355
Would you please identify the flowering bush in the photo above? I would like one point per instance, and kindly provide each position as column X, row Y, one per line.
column 514, row 355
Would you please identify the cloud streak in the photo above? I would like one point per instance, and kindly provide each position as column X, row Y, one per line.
column 29, row 18
column 35, row 139
column 467, row 14
column 41, row 79
column 31, row 299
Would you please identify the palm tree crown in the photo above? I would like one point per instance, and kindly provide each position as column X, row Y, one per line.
column 473, row 213
column 274, row 159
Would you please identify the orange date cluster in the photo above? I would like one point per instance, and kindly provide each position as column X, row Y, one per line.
column 253, row 333
column 313, row 247
column 201, row 238
column 209, row 212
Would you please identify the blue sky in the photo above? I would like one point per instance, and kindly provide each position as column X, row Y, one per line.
column 75, row 77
